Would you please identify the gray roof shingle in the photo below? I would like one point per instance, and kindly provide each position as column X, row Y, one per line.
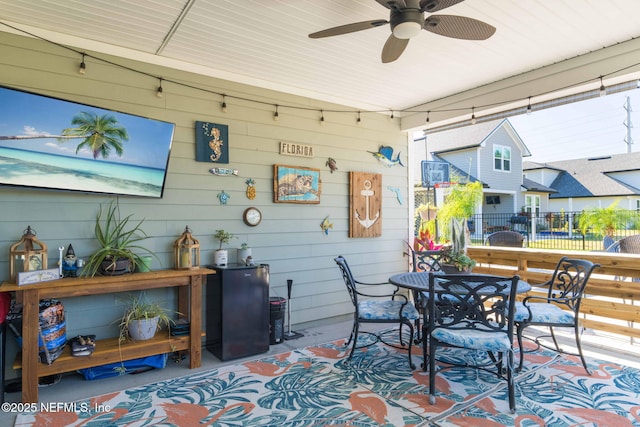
column 591, row 177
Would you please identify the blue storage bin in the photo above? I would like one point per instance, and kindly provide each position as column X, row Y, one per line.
column 132, row 366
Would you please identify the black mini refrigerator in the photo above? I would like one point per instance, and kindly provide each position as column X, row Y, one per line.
column 237, row 311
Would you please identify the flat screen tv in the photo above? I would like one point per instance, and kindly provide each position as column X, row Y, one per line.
column 51, row 143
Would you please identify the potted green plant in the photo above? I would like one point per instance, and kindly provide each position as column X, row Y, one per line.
column 221, row 256
column 142, row 319
column 118, row 238
column 460, row 204
column 458, row 260
column 243, row 253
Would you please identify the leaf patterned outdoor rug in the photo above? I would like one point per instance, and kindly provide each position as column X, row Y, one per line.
column 314, row 386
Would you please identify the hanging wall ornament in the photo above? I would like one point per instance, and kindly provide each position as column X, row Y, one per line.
column 326, row 225
column 331, row 163
column 385, row 156
column 251, row 189
column 212, row 142
column 223, row 197
column 223, row 171
column 398, row 193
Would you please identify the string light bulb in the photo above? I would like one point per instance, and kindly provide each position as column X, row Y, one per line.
column 223, row 105
column 321, row 117
column 473, row 116
column 603, row 89
column 391, row 116
column 358, row 120
column 427, row 121
column 276, row 116
column 83, row 66
column 529, row 106
column 160, row 91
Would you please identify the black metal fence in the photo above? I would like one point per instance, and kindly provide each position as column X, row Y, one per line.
column 550, row 230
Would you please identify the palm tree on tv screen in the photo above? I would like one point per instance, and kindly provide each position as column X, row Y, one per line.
column 101, row 134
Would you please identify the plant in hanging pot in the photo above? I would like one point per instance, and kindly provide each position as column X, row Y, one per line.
column 221, row 256
column 117, row 239
column 142, row 319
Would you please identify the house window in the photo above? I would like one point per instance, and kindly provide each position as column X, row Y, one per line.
column 532, row 204
column 502, row 158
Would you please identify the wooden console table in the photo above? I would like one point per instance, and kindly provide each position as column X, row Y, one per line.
column 188, row 282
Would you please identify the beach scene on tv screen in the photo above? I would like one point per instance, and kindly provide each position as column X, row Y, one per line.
column 56, row 144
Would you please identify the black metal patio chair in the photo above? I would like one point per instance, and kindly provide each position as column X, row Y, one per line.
column 393, row 308
column 473, row 312
column 560, row 307
column 626, row 245
column 423, row 261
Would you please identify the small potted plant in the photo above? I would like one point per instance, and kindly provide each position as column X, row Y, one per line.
column 142, row 318
column 456, row 261
column 221, row 256
column 117, row 239
column 243, row 253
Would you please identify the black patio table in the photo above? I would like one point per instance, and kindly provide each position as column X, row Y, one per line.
column 418, row 281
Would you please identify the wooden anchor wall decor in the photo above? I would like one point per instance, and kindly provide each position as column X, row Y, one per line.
column 365, row 204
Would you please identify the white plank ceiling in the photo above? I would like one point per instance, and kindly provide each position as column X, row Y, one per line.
column 265, row 42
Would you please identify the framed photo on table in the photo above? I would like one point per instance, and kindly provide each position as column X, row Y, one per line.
column 296, row 184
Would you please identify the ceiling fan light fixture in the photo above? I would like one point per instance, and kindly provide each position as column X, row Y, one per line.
column 407, row 30
column 406, row 23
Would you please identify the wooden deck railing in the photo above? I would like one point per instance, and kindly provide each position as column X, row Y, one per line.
column 610, row 294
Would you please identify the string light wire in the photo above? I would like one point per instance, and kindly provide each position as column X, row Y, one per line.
column 223, row 105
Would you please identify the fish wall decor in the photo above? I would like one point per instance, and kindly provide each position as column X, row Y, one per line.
column 385, row 156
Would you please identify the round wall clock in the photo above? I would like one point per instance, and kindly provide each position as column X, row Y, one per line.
column 252, row 216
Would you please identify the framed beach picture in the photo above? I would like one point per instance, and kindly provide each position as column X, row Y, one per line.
column 295, row 184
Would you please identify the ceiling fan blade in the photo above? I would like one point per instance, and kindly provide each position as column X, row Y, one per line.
column 431, row 6
column 349, row 28
column 458, row 27
column 393, row 48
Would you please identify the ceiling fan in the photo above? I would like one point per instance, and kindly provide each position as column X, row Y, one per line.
column 407, row 20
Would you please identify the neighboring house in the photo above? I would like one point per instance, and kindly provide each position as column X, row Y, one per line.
column 491, row 153
column 590, row 182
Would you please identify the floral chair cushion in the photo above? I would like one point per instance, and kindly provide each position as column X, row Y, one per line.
column 543, row 313
column 386, row 310
column 476, row 339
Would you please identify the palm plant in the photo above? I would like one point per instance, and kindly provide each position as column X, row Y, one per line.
column 460, row 204
column 603, row 221
column 101, row 134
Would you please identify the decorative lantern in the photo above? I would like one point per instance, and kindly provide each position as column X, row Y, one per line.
column 186, row 251
column 28, row 254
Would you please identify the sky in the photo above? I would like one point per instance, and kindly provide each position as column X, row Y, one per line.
column 22, row 113
column 583, row 129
